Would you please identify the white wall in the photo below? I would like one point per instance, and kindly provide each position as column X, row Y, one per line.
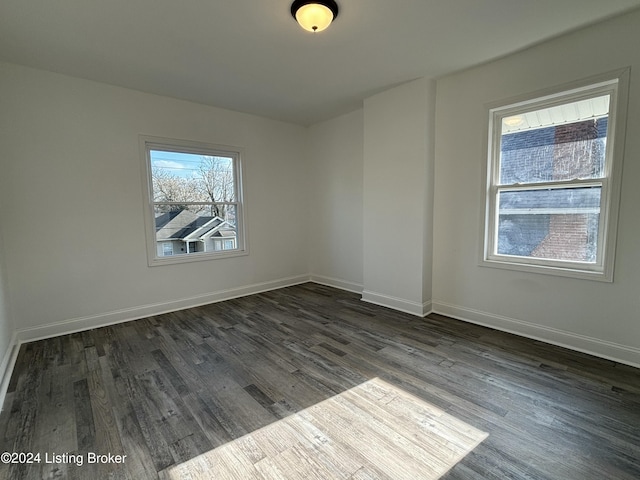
column 397, row 196
column 591, row 316
column 73, row 209
column 335, row 203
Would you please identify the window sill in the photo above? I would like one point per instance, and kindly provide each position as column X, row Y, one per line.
column 194, row 257
column 560, row 271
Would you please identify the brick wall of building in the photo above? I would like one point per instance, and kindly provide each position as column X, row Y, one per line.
column 562, row 152
column 567, row 239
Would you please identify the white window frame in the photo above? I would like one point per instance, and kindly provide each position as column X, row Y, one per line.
column 148, row 143
column 616, row 85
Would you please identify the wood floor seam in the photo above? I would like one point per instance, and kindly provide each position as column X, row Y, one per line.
column 309, row 382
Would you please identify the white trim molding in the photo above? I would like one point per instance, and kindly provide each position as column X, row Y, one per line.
column 592, row 346
column 604, row 96
column 74, row 325
column 6, row 367
column 581, row 343
column 337, row 283
column 119, row 316
column 150, row 144
column 395, row 303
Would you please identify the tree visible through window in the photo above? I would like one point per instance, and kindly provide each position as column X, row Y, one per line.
column 549, row 190
column 195, row 200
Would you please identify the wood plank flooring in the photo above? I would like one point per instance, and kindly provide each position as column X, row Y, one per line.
column 177, row 393
column 374, row 430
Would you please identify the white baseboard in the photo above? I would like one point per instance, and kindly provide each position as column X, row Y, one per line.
column 337, row 283
column 573, row 341
column 593, row 346
column 74, row 325
column 6, row 367
column 118, row 316
column 400, row 304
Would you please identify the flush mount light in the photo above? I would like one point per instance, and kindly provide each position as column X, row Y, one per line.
column 314, row 16
column 514, row 121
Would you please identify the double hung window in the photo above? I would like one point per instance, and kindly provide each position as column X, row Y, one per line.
column 194, row 208
column 553, row 181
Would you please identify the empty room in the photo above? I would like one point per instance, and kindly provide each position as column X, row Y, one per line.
column 350, row 239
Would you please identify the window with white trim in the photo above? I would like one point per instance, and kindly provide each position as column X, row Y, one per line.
column 193, row 196
column 553, row 181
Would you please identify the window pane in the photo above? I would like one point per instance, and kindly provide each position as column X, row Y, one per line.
column 555, row 224
column 564, row 142
column 187, row 177
column 184, row 230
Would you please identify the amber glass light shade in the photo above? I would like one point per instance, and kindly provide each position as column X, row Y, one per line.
column 314, row 16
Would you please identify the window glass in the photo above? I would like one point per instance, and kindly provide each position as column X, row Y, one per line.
column 195, row 200
column 557, row 224
column 552, row 184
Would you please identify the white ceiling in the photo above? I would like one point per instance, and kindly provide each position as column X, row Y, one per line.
column 251, row 56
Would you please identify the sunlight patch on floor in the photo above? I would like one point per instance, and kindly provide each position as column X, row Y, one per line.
column 374, row 430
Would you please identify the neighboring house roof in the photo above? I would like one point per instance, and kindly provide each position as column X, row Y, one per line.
column 163, row 219
column 224, row 232
column 205, row 229
column 185, row 225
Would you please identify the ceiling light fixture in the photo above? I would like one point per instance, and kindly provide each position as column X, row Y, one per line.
column 314, row 16
column 514, row 121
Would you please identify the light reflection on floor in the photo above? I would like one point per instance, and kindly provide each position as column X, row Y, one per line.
column 374, row 430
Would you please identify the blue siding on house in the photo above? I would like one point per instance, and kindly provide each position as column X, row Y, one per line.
column 528, row 156
column 584, row 198
column 544, row 155
column 521, row 234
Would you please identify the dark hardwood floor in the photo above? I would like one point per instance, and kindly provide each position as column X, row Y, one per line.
column 168, row 388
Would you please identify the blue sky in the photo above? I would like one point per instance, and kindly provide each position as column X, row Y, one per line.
column 186, row 165
column 181, row 164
